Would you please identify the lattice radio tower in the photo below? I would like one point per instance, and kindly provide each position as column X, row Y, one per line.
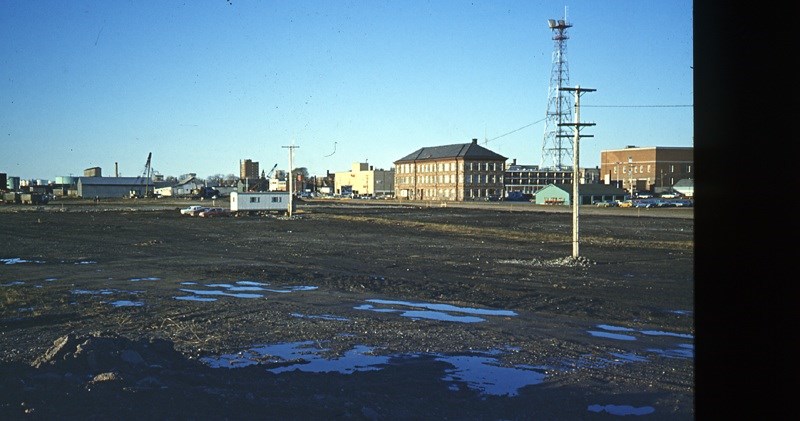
column 557, row 145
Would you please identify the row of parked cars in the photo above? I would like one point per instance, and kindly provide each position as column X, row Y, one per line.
column 653, row 202
column 205, row 212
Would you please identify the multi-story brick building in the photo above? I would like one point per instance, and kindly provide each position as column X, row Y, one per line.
column 458, row 172
column 653, row 169
column 248, row 170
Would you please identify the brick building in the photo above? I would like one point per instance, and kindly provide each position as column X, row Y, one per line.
column 646, row 169
column 458, row 172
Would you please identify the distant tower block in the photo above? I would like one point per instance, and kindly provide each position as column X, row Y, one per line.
column 557, row 145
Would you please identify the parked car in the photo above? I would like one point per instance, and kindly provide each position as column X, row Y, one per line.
column 606, row 204
column 626, row 204
column 643, row 203
column 193, row 210
column 212, row 212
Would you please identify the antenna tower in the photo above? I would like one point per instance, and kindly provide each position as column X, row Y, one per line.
column 557, row 145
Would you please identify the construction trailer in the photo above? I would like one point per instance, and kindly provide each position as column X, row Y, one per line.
column 257, row 202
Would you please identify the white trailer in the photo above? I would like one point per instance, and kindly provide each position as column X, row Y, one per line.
column 255, row 202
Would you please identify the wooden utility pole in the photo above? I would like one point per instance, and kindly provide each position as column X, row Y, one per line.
column 576, row 164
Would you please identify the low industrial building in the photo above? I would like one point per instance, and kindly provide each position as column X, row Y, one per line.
column 182, row 188
column 364, row 180
column 530, row 179
column 112, row 187
column 561, row 194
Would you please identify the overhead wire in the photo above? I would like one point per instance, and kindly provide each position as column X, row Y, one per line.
column 592, row 106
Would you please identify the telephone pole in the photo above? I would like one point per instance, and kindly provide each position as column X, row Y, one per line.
column 576, row 164
column 290, row 177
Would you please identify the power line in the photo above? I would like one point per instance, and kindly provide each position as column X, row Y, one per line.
column 593, row 106
column 637, row 106
column 513, row 131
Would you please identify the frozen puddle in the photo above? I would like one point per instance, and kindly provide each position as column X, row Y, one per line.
column 441, row 312
column 93, row 292
column 18, row 260
column 239, row 289
column 13, row 283
column 320, row 316
column 481, row 371
column 127, row 303
column 681, row 350
column 622, row 409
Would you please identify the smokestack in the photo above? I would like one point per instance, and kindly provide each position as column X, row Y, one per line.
column 474, row 141
column 116, row 169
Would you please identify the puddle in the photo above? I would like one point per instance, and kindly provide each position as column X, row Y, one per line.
column 51, row 279
column 320, row 316
column 681, row 351
column 294, row 289
column 217, row 292
column 628, row 357
column 144, row 279
column 12, row 283
column 239, row 289
column 86, row 262
column 439, row 312
column 480, row 372
column 660, row 333
column 230, row 287
column 643, row 332
column 622, row 409
column 487, row 376
column 17, row 260
column 682, row 312
column 617, row 336
column 616, row 328
column 253, row 283
column 91, row 292
column 195, row 298
column 127, row 303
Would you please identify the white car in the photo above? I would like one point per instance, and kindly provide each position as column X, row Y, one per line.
column 192, row 210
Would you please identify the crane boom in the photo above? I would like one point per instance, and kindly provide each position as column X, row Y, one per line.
column 269, row 174
column 145, row 178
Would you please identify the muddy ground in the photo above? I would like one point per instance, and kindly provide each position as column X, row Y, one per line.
column 346, row 310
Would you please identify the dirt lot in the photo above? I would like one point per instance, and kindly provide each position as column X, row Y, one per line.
column 346, row 310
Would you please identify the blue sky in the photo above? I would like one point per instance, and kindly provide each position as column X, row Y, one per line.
column 204, row 84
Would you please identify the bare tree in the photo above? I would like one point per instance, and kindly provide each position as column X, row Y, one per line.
column 231, row 179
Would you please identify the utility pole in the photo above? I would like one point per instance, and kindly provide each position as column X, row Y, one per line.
column 289, row 177
column 630, row 175
column 576, row 163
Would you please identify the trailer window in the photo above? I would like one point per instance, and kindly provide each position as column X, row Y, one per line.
column 255, row 199
column 276, row 199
